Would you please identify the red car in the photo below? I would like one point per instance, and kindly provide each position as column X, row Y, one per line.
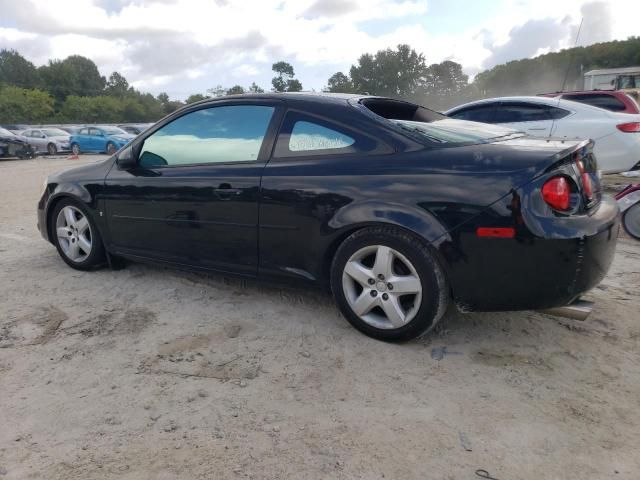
column 613, row 100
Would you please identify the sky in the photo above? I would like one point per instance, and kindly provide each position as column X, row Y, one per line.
column 188, row 46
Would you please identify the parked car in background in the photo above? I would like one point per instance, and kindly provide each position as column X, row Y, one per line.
column 48, row 140
column 135, row 128
column 12, row 145
column 15, row 128
column 101, row 138
column 70, row 129
column 616, row 135
column 397, row 209
column 613, row 100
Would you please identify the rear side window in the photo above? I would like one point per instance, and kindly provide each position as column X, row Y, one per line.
column 521, row 112
column 483, row 113
column 303, row 135
column 608, row 102
column 307, row 136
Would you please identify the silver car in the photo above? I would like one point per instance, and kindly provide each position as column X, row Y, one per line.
column 48, row 140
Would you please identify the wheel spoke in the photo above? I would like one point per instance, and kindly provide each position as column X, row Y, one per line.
column 393, row 311
column 384, row 261
column 358, row 272
column 63, row 232
column 70, row 216
column 82, row 225
column 84, row 245
column 74, row 251
column 406, row 284
column 364, row 303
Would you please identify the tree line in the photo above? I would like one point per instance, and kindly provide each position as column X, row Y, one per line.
column 72, row 90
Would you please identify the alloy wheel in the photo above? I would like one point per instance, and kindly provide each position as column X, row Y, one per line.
column 74, row 234
column 382, row 287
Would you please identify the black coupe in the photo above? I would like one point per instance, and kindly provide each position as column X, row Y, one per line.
column 397, row 209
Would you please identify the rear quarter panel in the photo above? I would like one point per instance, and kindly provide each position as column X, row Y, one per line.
column 309, row 205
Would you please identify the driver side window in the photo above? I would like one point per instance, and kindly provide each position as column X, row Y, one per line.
column 231, row 133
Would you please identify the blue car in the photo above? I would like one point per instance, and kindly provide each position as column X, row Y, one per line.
column 99, row 139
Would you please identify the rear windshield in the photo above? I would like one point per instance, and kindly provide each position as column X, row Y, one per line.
column 451, row 131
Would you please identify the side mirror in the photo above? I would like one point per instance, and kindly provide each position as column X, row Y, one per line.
column 126, row 160
column 44, row 136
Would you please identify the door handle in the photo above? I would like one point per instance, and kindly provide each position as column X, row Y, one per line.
column 536, row 129
column 225, row 192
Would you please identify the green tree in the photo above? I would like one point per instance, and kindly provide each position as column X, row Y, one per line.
column 16, row 70
column 254, row 88
column 339, row 83
column 101, row 109
column 217, row 91
column 396, row 73
column 168, row 106
column 117, row 85
column 21, row 105
column 196, row 97
column 235, row 90
column 75, row 75
column 284, row 81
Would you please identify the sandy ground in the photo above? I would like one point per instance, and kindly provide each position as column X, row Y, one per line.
column 151, row 373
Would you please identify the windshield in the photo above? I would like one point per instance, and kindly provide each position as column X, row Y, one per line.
column 55, row 132
column 113, row 131
column 450, row 131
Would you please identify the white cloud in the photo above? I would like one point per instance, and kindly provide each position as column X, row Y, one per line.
column 191, row 44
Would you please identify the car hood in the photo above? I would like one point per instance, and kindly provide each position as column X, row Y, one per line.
column 122, row 137
column 13, row 138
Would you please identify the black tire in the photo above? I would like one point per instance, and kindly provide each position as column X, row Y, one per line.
column 111, row 148
column 97, row 257
column 51, row 149
column 631, row 221
column 75, row 149
column 435, row 294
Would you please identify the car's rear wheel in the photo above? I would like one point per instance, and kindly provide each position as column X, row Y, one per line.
column 388, row 284
column 76, row 236
column 51, row 149
column 111, row 148
column 631, row 221
column 75, row 149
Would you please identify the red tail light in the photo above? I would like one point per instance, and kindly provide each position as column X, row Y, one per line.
column 632, row 127
column 557, row 193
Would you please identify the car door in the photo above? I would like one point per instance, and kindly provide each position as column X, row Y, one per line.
column 531, row 118
column 81, row 137
column 193, row 196
column 34, row 137
column 96, row 140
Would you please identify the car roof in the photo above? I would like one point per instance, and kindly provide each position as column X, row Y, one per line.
column 551, row 101
column 292, row 97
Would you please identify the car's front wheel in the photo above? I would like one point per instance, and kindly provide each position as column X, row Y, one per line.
column 388, row 284
column 51, row 149
column 111, row 148
column 75, row 149
column 76, row 236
